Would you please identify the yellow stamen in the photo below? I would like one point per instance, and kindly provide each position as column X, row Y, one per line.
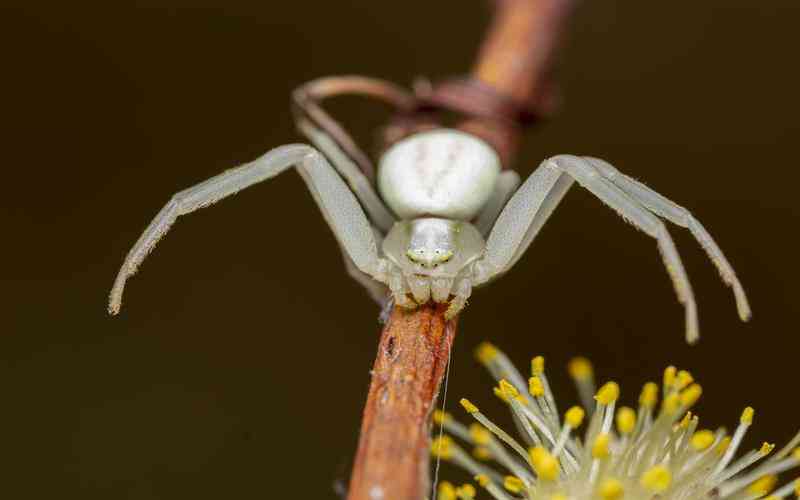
column 471, row 408
column 537, row 365
column 446, row 491
column 513, row 484
column 685, row 420
column 545, row 464
column 671, row 403
column 466, row 492
column 608, row 393
column 500, row 394
column 611, row 489
column 649, row 395
column 440, row 417
column 535, row 387
column 580, row 369
column 626, row 420
column 600, row 446
column 483, row 480
column 657, row 479
column 669, row 377
column 482, row 453
column 683, row 380
column 766, row 448
column 690, row 396
column 574, row 416
column 479, row 434
column 508, row 389
column 486, row 353
column 763, row 485
column 442, row 447
column 701, row 440
column 747, row 416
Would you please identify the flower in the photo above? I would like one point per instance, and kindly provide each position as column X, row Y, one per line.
column 645, row 453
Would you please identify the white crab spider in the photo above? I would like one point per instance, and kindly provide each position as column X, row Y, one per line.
column 460, row 220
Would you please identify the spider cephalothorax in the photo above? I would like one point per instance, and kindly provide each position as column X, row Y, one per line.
column 444, row 216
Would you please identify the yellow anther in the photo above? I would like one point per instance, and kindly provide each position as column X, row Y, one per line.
column 683, row 380
column 486, row 353
column 466, row 492
column 479, row 434
column 580, row 368
column 513, row 484
column 508, row 389
column 574, row 416
column 535, row 387
column 797, row 488
column 766, row 448
column 600, row 448
column 671, row 404
column 545, row 464
column 657, row 479
column 723, row 445
column 649, row 396
column 626, row 420
column 446, row 491
column 440, row 417
column 701, row 440
column 500, row 394
column 482, row 453
column 537, row 365
column 747, row 416
column 670, row 374
column 471, row 408
column 442, row 447
column 796, row 454
column 690, row 396
column 482, row 480
column 611, row 489
column 763, row 485
column 608, row 393
column 685, row 420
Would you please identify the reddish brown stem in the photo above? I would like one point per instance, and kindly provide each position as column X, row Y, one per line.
column 392, row 458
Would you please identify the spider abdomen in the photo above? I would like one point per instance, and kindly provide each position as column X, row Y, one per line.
column 441, row 173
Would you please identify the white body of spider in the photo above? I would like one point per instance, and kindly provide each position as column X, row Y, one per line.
column 447, row 218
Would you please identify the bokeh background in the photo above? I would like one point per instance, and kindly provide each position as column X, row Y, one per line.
column 239, row 365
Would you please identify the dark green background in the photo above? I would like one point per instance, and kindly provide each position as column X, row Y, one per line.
column 239, row 366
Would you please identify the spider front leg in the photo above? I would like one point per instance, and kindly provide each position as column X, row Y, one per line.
column 590, row 178
column 529, row 209
column 671, row 211
column 337, row 203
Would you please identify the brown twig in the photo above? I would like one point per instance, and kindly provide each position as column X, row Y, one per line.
column 392, row 457
column 509, row 87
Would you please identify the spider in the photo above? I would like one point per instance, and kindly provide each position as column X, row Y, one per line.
column 442, row 216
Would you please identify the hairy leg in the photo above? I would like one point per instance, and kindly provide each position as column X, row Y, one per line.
column 528, row 210
column 338, row 204
column 590, row 178
column 663, row 207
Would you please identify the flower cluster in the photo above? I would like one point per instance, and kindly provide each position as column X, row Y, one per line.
column 651, row 452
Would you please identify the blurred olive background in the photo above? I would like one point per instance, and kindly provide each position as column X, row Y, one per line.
column 239, row 365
